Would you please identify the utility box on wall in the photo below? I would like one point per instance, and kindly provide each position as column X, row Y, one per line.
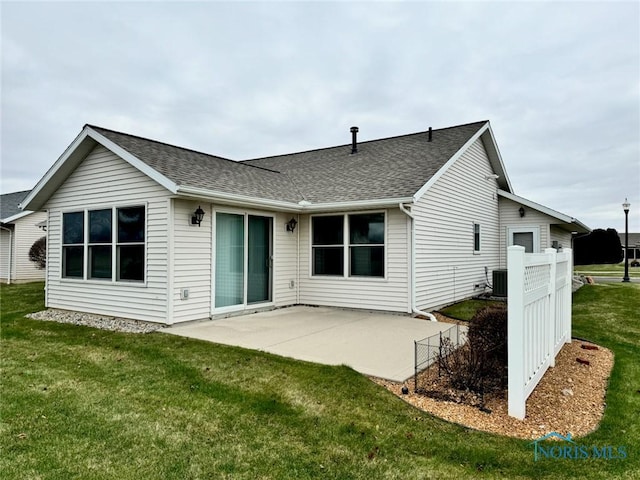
column 500, row 283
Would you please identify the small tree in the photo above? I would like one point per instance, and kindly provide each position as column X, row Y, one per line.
column 600, row 246
column 38, row 253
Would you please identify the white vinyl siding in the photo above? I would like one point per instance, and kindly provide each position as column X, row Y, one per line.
column 561, row 236
column 510, row 220
column 25, row 233
column 6, row 239
column 447, row 268
column 285, row 261
column 103, row 180
column 192, row 262
column 389, row 293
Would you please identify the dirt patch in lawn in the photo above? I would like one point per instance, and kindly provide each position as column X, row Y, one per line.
column 570, row 398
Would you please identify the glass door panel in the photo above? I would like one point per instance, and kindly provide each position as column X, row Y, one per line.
column 229, row 284
column 259, row 259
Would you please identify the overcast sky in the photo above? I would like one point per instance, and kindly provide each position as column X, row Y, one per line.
column 560, row 83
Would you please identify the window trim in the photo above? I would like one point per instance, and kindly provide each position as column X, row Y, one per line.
column 335, row 246
column 86, row 278
column 478, row 234
column 535, row 230
column 245, row 213
column 77, row 245
column 90, row 244
column 346, row 247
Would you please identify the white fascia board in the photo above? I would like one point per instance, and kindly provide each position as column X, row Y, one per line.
column 233, row 199
column 495, row 153
column 133, row 161
column 55, row 168
column 58, row 168
column 356, row 205
column 242, row 200
column 450, row 162
column 17, row 216
column 541, row 208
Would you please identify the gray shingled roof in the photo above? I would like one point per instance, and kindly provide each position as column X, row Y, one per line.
column 9, row 204
column 389, row 168
column 194, row 169
column 634, row 239
column 394, row 167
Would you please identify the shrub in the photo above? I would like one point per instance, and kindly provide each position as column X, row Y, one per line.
column 38, row 253
column 481, row 364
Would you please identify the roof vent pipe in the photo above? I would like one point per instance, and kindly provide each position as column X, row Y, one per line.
column 354, row 140
column 430, row 134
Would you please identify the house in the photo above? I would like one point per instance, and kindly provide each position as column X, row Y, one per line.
column 150, row 231
column 18, row 231
column 633, row 254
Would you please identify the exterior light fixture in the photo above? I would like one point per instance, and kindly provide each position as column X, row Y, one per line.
column 197, row 217
column 291, row 225
column 625, row 207
column 521, row 212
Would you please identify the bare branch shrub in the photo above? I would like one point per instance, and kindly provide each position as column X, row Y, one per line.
column 481, row 364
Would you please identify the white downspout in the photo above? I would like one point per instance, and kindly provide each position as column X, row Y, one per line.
column 298, row 263
column 412, row 274
column 10, row 253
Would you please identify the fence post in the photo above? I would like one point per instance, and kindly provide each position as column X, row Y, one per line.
column 568, row 297
column 550, row 335
column 515, row 332
column 439, row 354
column 415, row 366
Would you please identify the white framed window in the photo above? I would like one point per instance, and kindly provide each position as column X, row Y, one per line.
column 476, row 238
column 100, row 244
column 527, row 237
column 327, row 240
column 73, row 245
column 105, row 244
column 366, row 245
column 350, row 245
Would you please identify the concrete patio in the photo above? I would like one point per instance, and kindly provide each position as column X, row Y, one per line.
column 371, row 343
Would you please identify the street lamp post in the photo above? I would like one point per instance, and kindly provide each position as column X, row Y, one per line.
column 625, row 207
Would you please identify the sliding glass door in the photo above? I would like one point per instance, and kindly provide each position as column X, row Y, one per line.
column 259, row 260
column 243, row 260
column 229, row 259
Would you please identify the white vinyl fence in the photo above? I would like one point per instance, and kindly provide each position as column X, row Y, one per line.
column 539, row 324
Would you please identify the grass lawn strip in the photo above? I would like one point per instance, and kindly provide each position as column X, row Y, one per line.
column 81, row 403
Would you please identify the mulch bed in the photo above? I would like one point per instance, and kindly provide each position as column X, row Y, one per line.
column 570, row 398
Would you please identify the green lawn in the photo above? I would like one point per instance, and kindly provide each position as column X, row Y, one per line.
column 80, row 403
column 467, row 309
column 606, row 270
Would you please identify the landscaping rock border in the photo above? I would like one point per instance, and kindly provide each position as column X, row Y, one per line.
column 102, row 322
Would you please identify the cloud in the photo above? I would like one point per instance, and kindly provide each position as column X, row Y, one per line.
column 560, row 83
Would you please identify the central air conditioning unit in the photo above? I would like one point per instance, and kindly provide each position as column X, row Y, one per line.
column 500, row 283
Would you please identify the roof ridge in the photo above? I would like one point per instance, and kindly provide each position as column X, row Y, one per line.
column 348, row 145
column 238, row 162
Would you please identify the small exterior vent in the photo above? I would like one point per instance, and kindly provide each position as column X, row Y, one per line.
column 500, row 283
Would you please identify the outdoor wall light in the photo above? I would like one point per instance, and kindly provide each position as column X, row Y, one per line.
column 521, row 212
column 291, row 225
column 197, row 217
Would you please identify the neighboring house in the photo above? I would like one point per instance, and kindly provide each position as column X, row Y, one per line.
column 402, row 224
column 18, row 231
column 634, row 246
